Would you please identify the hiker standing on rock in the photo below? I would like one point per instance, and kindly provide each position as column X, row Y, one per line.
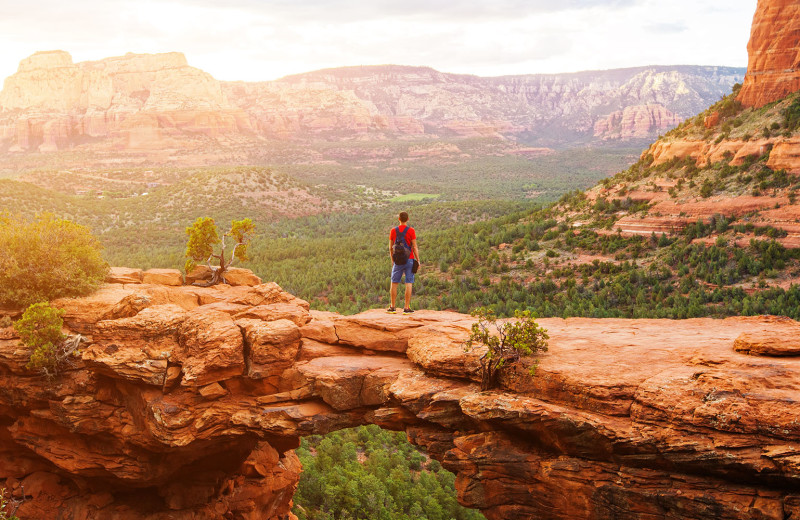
column 405, row 260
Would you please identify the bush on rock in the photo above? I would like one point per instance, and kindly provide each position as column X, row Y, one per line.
column 47, row 258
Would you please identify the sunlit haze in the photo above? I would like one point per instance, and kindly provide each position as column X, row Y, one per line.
column 265, row 39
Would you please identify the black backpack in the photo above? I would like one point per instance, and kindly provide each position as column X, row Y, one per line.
column 400, row 251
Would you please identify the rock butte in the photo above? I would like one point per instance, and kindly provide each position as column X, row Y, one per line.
column 773, row 72
column 188, row 402
column 773, row 69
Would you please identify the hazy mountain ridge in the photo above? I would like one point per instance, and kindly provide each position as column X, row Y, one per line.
column 529, row 104
column 144, row 104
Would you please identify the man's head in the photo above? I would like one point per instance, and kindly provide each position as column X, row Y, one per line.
column 403, row 217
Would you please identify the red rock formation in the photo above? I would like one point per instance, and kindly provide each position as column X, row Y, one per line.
column 188, row 402
column 773, row 69
column 783, row 155
column 635, row 121
column 138, row 99
column 712, row 120
column 138, row 103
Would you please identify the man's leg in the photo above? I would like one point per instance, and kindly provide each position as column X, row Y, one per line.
column 393, row 293
column 408, row 296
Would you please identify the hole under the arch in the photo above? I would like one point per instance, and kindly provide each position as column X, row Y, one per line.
column 371, row 473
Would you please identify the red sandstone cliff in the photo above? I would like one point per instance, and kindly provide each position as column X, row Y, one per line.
column 773, row 69
column 188, row 401
column 136, row 101
column 639, row 121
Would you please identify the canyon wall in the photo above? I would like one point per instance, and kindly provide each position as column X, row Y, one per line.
column 147, row 102
column 136, row 101
column 187, row 403
column 635, row 121
column 773, row 69
column 554, row 107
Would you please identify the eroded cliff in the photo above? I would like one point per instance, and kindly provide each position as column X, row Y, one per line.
column 773, row 69
column 140, row 103
column 187, row 403
column 136, row 101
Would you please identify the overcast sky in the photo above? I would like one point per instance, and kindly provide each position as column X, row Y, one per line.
column 267, row 39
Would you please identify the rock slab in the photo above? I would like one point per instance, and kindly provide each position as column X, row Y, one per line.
column 188, row 402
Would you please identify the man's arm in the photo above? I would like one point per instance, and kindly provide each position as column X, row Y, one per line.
column 390, row 251
column 416, row 249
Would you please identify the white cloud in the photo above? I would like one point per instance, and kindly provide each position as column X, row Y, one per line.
column 265, row 39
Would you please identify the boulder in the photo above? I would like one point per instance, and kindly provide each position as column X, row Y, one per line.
column 239, row 276
column 272, row 346
column 199, row 273
column 81, row 314
column 124, row 275
column 213, row 391
column 137, row 348
column 163, row 277
column 376, row 330
column 321, row 330
column 780, row 341
column 351, row 382
column 310, row 349
column 211, row 350
column 291, row 311
column 440, row 350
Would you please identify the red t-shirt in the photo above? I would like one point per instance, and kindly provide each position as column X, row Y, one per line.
column 410, row 235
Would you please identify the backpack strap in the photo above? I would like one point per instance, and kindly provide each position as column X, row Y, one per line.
column 399, row 233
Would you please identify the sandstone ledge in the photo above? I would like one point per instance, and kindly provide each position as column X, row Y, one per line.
column 196, row 397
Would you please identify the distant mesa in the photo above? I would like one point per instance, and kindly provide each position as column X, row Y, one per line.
column 46, row 60
column 144, row 103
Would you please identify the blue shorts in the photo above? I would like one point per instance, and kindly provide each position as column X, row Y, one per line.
column 399, row 270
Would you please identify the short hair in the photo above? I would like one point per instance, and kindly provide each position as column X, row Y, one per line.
column 403, row 216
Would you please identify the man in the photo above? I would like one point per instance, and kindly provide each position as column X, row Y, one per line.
column 408, row 238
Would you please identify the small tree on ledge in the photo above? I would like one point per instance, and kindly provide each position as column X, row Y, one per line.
column 513, row 339
column 40, row 328
column 9, row 504
column 203, row 237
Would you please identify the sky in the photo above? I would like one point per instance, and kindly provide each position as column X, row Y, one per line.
column 256, row 40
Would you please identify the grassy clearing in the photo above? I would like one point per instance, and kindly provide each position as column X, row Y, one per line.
column 414, row 197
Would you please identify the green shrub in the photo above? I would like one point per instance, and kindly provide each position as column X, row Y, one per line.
column 707, row 189
column 791, row 115
column 47, row 258
column 8, row 506
column 203, row 239
column 40, row 329
column 513, row 339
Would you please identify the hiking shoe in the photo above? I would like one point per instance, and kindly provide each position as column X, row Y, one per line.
column 407, row 311
column 391, row 310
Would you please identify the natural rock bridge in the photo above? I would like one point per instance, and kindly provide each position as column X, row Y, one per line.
column 188, row 402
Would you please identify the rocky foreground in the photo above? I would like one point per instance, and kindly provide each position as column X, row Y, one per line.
column 187, row 404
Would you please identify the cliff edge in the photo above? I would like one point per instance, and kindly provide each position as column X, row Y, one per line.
column 187, row 403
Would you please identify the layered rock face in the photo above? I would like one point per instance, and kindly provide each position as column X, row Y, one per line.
column 187, row 403
column 143, row 102
column 556, row 107
column 133, row 101
column 635, row 121
column 773, row 69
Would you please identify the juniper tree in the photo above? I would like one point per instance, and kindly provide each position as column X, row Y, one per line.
column 206, row 244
